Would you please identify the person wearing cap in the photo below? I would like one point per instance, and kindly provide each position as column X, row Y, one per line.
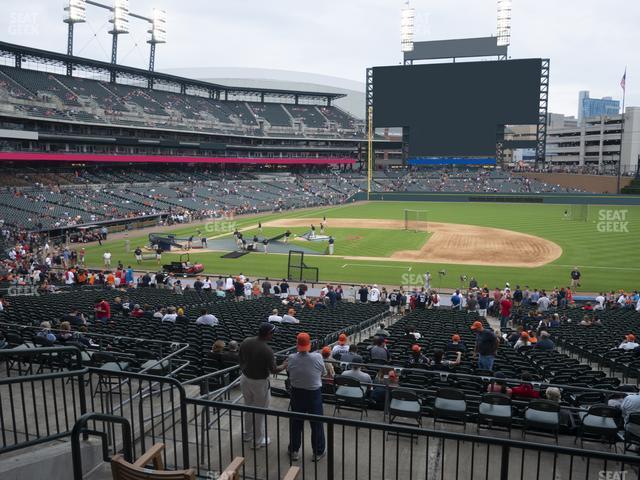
column 416, row 357
column 306, row 370
column 629, row 342
column 382, row 381
column 544, row 343
column 523, row 341
column 330, row 372
column 356, row 371
column 257, row 363
column 486, row 346
column 341, row 347
column 456, row 344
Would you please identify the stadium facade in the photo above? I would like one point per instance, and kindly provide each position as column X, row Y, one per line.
column 55, row 117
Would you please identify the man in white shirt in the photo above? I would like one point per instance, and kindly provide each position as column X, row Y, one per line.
column 629, row 343
column 228, row 283
column 206, row 318
column 274, row 317
column 69, row 277
column 600, row 299
column 631, row 404
column 622, row 300
column 171, row 315
column 248, row 286
column 341, row 347
column 107, row 258
column 289, row 317
column 374, row 294
column 543, row 303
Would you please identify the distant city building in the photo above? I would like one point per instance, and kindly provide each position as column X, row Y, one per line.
column 596, row 107
column 595, row 143
column 558, row 120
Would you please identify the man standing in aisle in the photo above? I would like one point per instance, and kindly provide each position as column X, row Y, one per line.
column 427, row 281
column 305, row 374
column 107, row 259
column 257, row 363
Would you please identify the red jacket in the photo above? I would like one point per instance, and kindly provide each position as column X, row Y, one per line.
column 525, row 390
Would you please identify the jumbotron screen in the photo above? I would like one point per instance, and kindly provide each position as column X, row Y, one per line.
column 456, row 108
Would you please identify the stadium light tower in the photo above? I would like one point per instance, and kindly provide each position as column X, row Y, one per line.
column 158, row 34
column 120, row 22
column 407, row 22
column 75, row 12
column 504, row 23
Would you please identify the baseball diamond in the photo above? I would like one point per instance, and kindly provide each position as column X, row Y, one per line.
column 530, row 244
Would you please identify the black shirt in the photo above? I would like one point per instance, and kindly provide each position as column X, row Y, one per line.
column 486, row 343
column 364, row 294
column 256, row 359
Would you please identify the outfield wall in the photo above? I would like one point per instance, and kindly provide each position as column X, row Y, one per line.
column 548, row 198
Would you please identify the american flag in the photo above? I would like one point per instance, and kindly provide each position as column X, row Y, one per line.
column 623, row 82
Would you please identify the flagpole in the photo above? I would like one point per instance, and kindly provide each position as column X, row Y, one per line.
column 624, row 94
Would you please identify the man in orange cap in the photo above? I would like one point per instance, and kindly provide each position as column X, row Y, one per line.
column 306, row 369
column 629, row 342
column 416, row 357
column 486, row 346
column 456, row 344
column 341, row 347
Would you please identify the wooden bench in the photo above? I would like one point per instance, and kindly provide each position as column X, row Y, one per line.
column 123, row 470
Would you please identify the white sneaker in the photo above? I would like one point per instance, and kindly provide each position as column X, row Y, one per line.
column 262, row 443
column 294, row 456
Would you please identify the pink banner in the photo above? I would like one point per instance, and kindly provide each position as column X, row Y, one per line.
column 92, row 158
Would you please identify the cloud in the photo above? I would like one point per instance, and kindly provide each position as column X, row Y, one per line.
column 589, row 42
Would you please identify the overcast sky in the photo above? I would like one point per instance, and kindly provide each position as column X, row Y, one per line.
column 589, row 42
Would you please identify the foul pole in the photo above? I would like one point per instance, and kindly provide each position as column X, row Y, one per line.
column 369, row 150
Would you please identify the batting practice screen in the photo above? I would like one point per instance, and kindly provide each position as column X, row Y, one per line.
column 456, row 108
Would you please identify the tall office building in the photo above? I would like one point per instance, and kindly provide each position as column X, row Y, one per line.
column 596, row 107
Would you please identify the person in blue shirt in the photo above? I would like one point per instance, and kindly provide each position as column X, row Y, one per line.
column 456, row 300
column 128, row 276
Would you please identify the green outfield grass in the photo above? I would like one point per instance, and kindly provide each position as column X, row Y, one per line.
column 354, row 241
column 606, row 259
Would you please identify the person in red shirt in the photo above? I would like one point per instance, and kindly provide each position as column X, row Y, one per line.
column 103, row 310
column 505, row 311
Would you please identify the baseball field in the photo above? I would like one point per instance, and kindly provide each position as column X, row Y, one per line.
column 526, row 244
